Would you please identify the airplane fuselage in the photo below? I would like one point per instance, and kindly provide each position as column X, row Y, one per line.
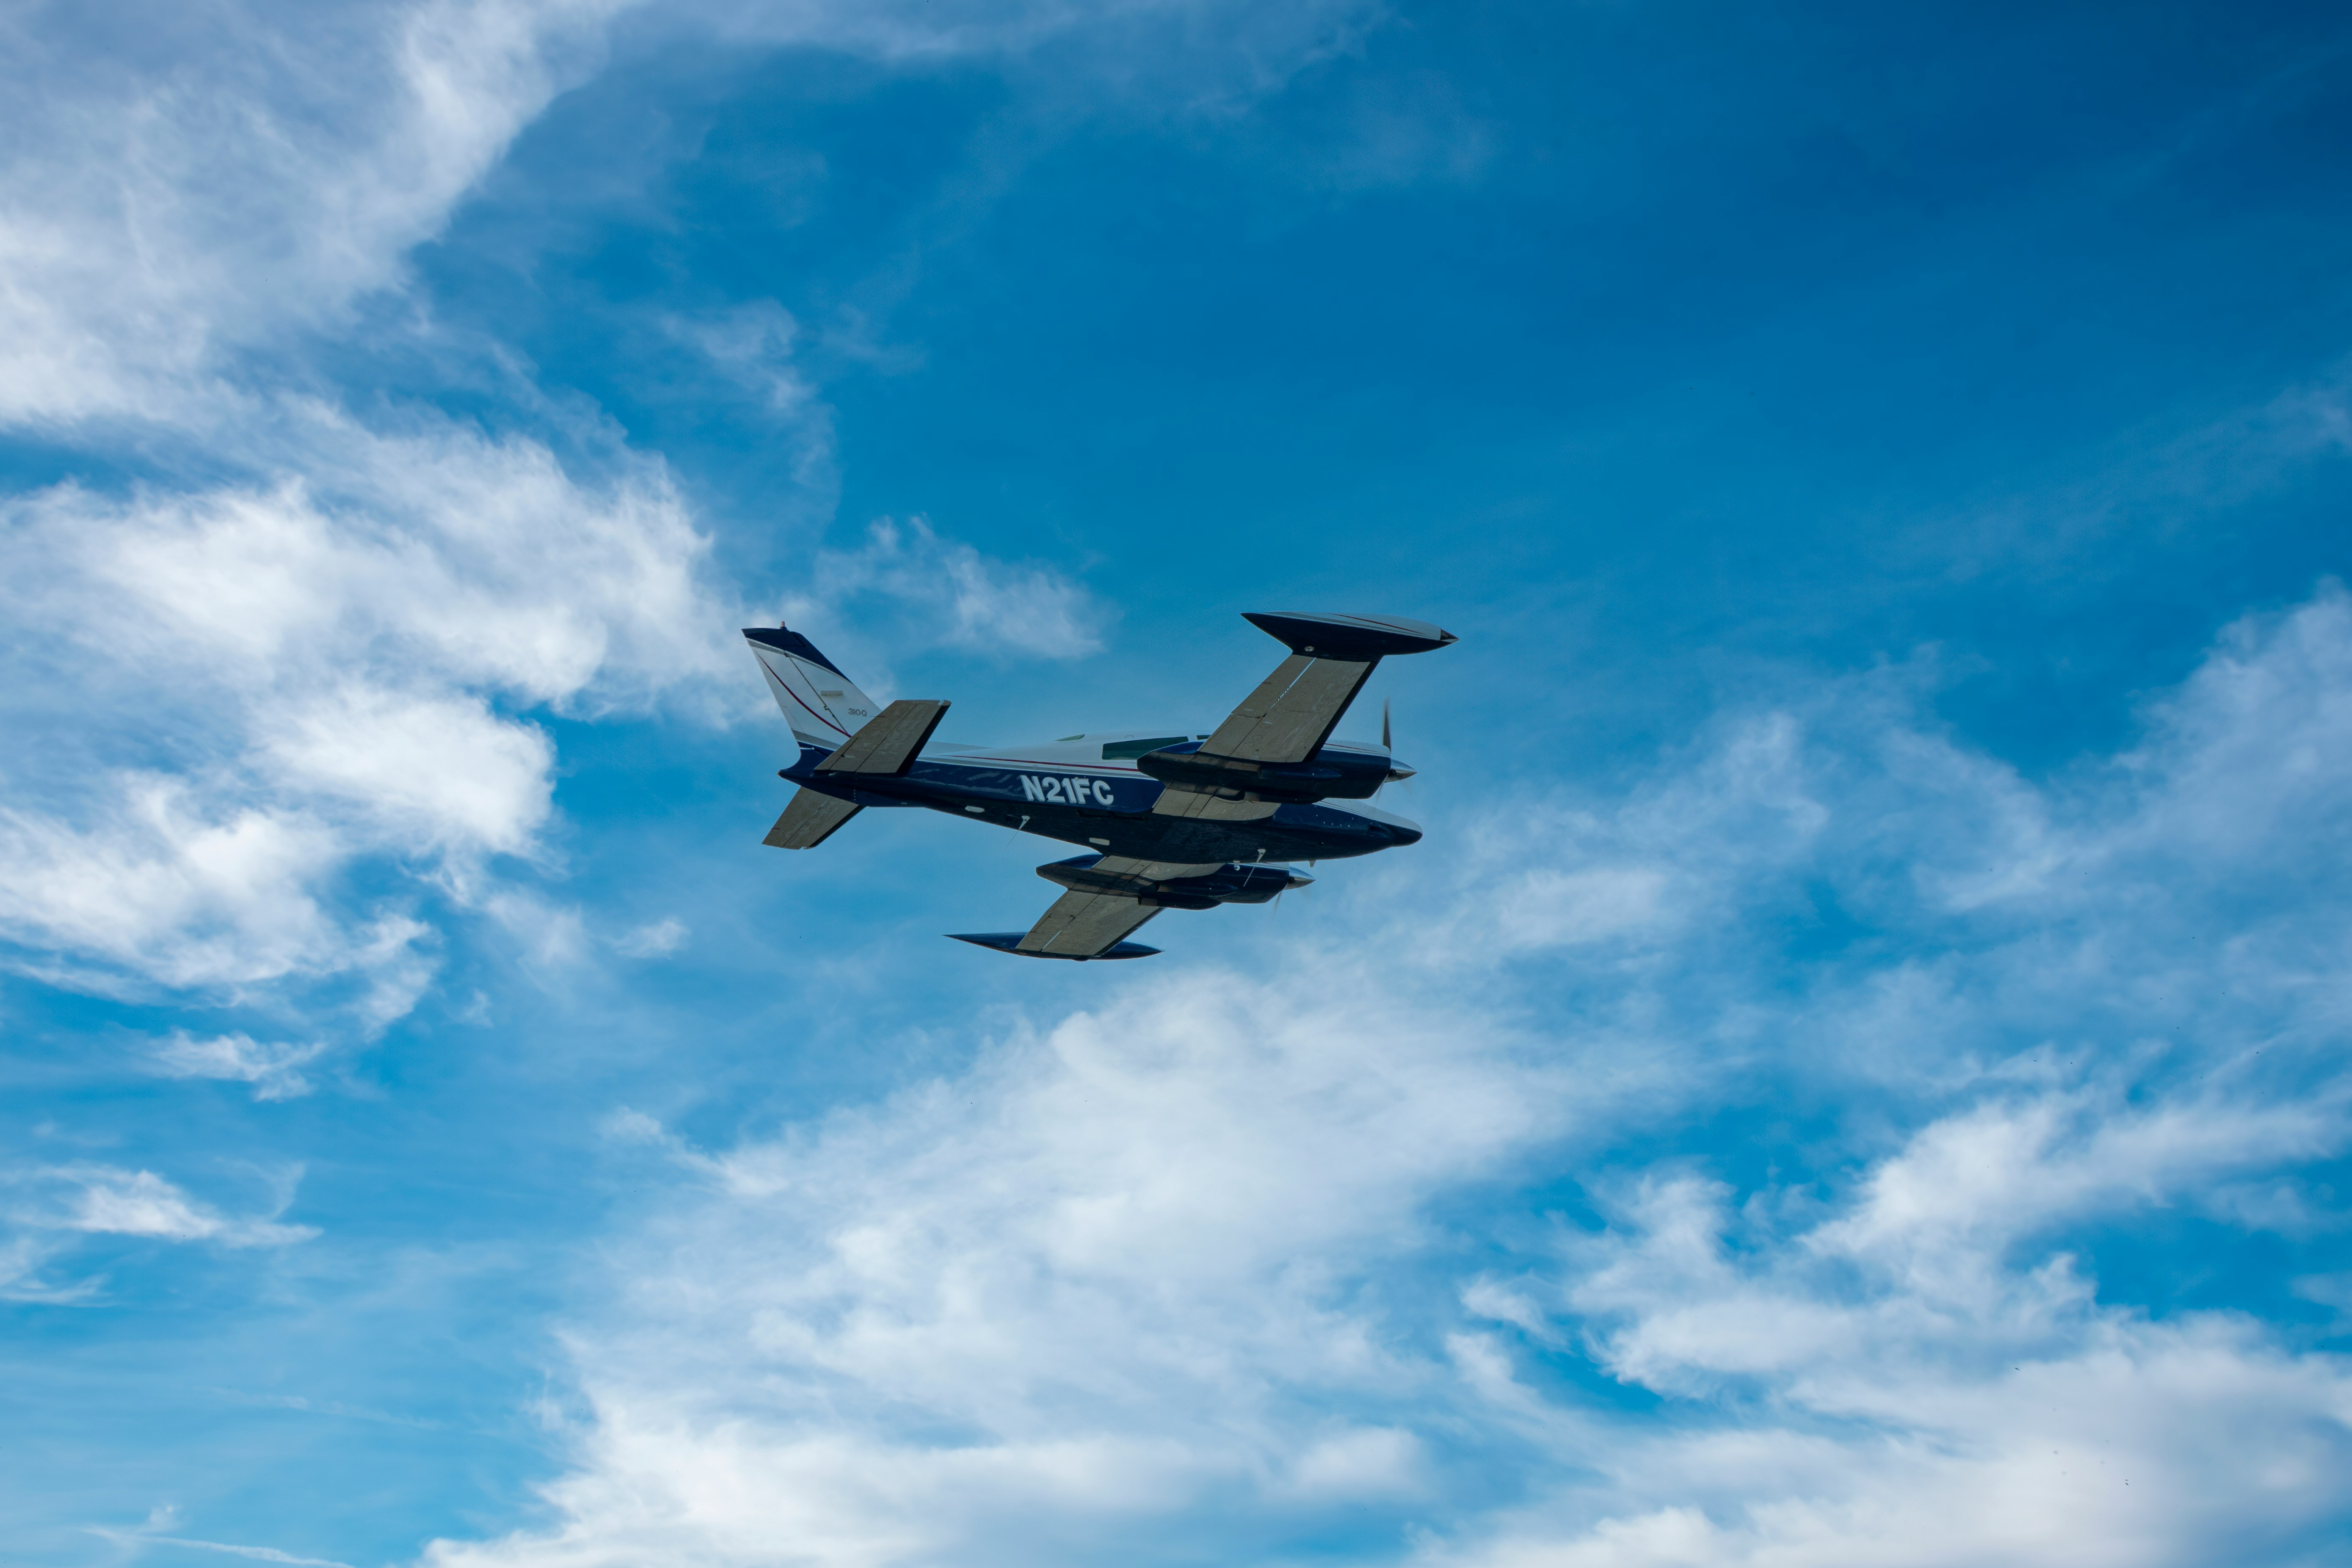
column 1085, row 792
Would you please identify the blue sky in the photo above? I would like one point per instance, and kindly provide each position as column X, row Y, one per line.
column 1854, row 1073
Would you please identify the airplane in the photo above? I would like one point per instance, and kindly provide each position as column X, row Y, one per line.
column 1168, row 821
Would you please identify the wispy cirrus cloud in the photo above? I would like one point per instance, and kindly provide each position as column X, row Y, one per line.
column 48, row 1206
column 109, row 1200
column 166, row 1518
column 272, row 1067
column 656, row 938
column 934, row 592
column 198, row 183
column 185, row 194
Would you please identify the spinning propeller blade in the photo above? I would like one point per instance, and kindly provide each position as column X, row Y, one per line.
column 1396, row 774
column 1386, row 747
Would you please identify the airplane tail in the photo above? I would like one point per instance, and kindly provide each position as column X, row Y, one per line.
column 823, row 706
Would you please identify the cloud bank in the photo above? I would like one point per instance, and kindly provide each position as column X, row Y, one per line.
column 1365, row 1253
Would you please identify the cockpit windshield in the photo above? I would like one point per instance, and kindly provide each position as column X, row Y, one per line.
column 1121, row 749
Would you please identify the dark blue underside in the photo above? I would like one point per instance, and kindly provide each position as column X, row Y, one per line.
column 1116, row 817
column 1010, row 942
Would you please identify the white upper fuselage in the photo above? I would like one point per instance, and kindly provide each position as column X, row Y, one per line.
column 1065, row 769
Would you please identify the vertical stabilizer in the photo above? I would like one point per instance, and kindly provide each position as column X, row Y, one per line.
column 823, row 706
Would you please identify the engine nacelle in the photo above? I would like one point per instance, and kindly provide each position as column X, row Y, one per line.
column 1232, row 883
column 1335, row 772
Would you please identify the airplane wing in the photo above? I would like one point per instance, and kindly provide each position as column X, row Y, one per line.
column 1294, row 710
column 809, row 820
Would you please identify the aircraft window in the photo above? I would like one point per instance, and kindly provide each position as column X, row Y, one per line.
column 1137, row 748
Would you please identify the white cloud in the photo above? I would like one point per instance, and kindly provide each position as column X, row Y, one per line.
column 51, row 1211
column 2004, row 1169
column 98, row 1199
column 2116, row 1440
column 753, row 345
column 943, row 593
column 1501, row 1304
column 1220, row 1251
column 322, row 668
column 184, row 191
column 213, row 175
column 2248, row 758
column 272, row 1067
column 1063, row 1259
column 317, row 665
column 136, row 1539
column 551, row 936
column 436, row 554
column 22, row 1259
column 162, row 886
column 1547, row 906
column 1369, row 1462
column 435, row 770
column 173, row 884
column 656, row 938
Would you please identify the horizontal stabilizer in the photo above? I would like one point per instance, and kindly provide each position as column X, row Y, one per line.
column 888, row 743
column 1010, row 942
column 809, row 820
column 1084, row 922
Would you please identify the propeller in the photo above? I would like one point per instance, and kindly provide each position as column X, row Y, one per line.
column 1296, row 881
column 1395, row 774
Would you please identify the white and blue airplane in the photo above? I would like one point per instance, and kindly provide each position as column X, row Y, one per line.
column 1168, row 821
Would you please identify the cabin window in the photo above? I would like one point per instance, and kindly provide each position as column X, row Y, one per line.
column 1131, row 749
